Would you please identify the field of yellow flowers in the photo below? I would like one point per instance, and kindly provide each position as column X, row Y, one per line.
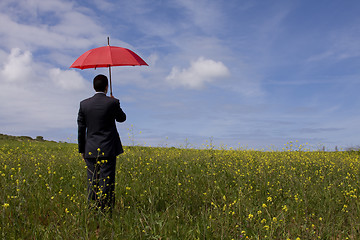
column 170, row 193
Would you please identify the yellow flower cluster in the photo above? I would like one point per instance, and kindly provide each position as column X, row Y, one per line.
column 211, row 193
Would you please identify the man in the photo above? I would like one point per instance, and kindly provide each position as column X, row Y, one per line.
column 99, row 142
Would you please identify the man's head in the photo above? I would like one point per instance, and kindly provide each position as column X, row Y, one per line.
column 100, row 83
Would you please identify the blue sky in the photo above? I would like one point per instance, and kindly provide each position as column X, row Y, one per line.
column 252, row 74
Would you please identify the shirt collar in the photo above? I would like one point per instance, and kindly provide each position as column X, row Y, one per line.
column 100, row 92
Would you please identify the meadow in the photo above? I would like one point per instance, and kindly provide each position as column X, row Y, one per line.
column 171, row 193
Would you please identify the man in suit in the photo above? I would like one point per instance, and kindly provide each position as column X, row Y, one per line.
column 99, row 142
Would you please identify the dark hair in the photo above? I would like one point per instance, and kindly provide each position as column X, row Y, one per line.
column 100, row 83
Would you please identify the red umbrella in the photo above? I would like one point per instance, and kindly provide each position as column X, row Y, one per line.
column 108, row 56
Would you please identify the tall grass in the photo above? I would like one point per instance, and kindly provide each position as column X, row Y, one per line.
column 169, row 193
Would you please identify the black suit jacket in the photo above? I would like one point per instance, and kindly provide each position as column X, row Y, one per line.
column 97, row 128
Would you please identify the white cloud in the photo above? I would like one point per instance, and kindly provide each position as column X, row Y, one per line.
column 18, row 67
column 205, row 14
column 37, row 38
column 67, row 80
column 321, row 56
column 49, row 5
column 55, row 25
column 199, row 73
column 34, row 98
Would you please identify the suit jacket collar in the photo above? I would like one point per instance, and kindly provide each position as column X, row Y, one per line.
column 99, row 94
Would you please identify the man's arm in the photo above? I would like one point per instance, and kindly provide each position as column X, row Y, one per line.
column 81, row 131
column 120, row 115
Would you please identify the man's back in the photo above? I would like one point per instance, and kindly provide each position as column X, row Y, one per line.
column 97, row 128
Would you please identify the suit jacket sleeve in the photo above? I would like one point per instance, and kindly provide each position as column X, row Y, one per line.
column 81, row 131
column 120, row 115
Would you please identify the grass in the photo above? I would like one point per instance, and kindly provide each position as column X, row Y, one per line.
column 169, row 193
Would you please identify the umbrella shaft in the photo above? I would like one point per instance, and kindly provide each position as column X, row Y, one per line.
column 110, row 81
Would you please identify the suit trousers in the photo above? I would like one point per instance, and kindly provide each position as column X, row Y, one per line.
column 101, row 181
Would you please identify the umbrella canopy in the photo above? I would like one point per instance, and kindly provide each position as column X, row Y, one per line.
column 108, row 56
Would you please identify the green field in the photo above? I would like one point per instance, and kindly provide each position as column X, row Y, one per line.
column 170, row 193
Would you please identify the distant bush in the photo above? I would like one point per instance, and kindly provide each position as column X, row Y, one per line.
column 39, row 138
column 8, row 137
column 353, row 149
column 20, row 138
column 24, row 138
